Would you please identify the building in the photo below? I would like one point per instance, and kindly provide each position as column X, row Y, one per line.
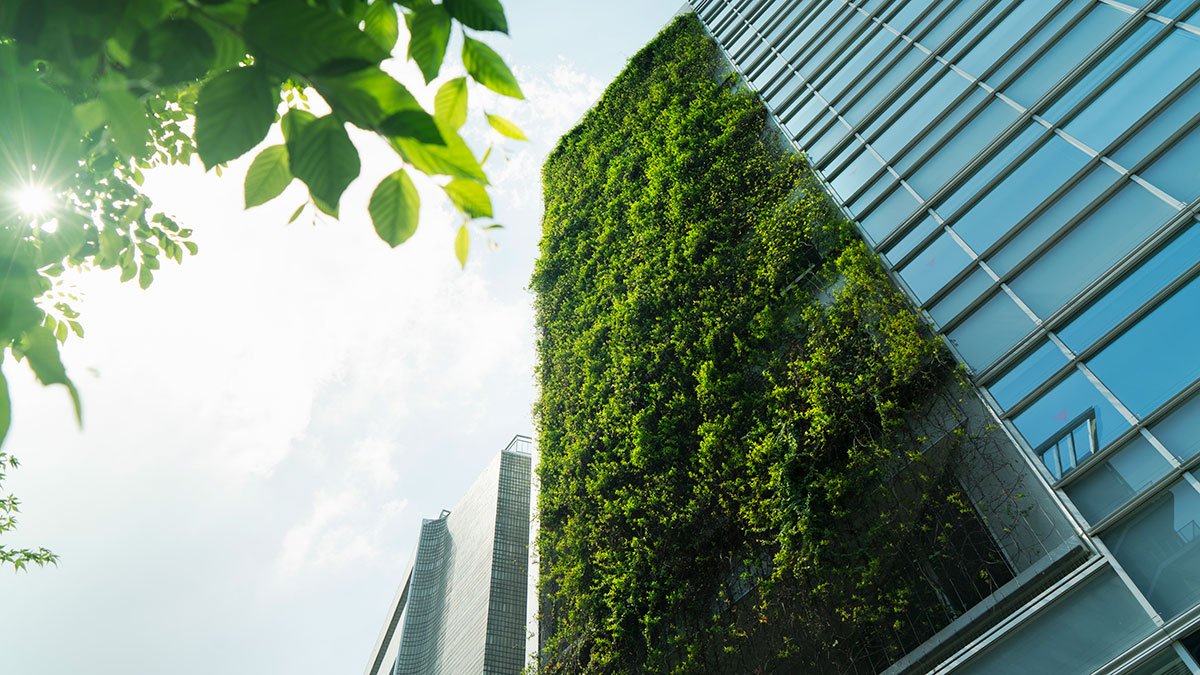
column 1027, row 170
column 461, row 607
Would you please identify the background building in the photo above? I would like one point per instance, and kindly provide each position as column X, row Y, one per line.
column 1028, row 173
column 462, row 605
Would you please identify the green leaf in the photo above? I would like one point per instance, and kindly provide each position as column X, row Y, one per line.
column 367, row 97
column 429, row 33
column 91, row 115
column 487, row 68
column 470, row 197
column 268, row 176
column 294, row 120
column 41, row 351
column 453, row 158
column 294, row 37
column 5, row 409
column 191, row 247
column 395, row 207
column 127, row 121
column 478, row 14
column 296, row 213
column 382, row 25
column 505, row 127
column 174, row 51
column 146, row 276
column 462, row 245
column 415, row 124
column 233, row 114
column 450, row 103
column 322, row 156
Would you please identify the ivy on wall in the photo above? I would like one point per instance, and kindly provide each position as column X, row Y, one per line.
column 725, row 375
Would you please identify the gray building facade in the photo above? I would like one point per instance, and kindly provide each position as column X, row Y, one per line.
column 462, row 605
column 1029, row 173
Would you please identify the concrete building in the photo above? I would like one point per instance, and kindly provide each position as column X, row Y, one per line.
column 462, row 605
column 1028, row 172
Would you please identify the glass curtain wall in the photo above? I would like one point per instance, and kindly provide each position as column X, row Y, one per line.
column 1030, row 172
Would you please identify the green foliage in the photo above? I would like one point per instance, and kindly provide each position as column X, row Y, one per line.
column 17, row 558
column 92, row 94
column 725, row 373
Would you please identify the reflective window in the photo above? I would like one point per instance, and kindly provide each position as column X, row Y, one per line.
column 1176, row 172
column 1159, row 547
column 1076, row 634
column 999, row 162
column 1178, row 430
column 935, row 266
column 1173, row 117
column 933, row 137
column 911, row 240
column 1014, row 197
column 1026, row 375
column 990, row 331
column 1061, row 409
column 1165, row 663
column 1064, row 54
column 960, row 148
column 875, row 95
column 1100, row 70
column 992, row 46
column 964, row 293
column 1066, row 206
column 1133, row 94
column 890, row 214
column 926, row 109
column 1133, row 291
column 850, row 179
column 1157, row 356
column 1121, row 476
column 1090, row 248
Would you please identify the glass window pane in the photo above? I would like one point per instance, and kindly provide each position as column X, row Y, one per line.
column 934, row 266
column 992, row 46
column 1099, row 71
column 1076, row 634
column 849, row 73
column 878, row 91
column 1178, row 430
column 1097, row 242
column 990, row 331
column 1000, row 161
column 1160, row 129
column 1137, row 91
column 923, row 111
column 1065, row 54
column 959, row 149
column 960, row 12
column 1158, row 356
column 1055, row 411
column 1135, row 289
column 1177, row 172
column 1074, row 200
column 890, row 214
column 1026, row 375
column 963, row 294
column 1112, row 483
column 1025, row 188
column 933, row 137
column 850, row 179
column 1166, row 663
column 911, row 240
column 1159, row 547
column 1040, row 38
column 880, row 185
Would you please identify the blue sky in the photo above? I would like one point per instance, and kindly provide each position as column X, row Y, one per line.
column 268, row 423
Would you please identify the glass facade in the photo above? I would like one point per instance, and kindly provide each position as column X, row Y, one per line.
column 462, row 606
column 1029, row 172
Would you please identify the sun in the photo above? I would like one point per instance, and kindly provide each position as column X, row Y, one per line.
column 33, row 199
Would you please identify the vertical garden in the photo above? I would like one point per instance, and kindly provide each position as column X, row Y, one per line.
column 727, row 383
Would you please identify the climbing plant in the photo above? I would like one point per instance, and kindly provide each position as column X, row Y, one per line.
column 726, row 373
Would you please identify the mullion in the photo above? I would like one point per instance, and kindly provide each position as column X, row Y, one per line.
column 828, row 70
column 772, row 33
column 1080, row 175
column 913, row 76
column 769, row 26
column 999, row 142
column 835, row 103
column 797, row 62
column 906, row 43
column 797, row 26
column 1120, row 183
column 846, row 10
column 748, row 29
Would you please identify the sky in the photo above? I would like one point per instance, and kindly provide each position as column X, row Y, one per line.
column 265, row 427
